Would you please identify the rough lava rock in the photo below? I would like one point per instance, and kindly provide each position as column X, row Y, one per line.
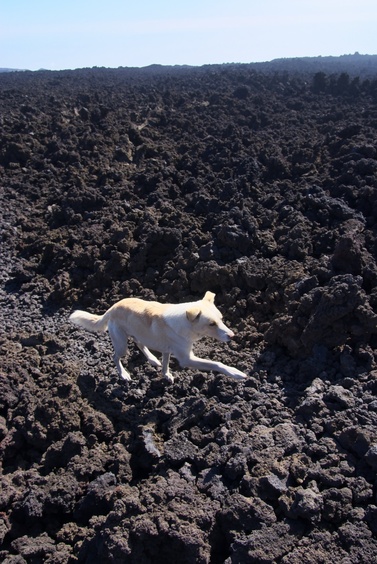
column 257, row 184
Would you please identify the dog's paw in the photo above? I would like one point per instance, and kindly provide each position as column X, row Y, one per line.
column 237, row 374
column 125, row 376
column 169, row 377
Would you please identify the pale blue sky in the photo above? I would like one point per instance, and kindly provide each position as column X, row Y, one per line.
column 38, row 34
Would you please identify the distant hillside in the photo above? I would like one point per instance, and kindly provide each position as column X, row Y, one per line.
column 364, row 66
column 11, row 70
column 356, row 64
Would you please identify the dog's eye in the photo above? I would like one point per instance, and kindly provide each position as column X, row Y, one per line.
column 213, row 323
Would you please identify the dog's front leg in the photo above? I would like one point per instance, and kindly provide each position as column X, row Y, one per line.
column 193, row 361
column 147, row 353
column 165, row 367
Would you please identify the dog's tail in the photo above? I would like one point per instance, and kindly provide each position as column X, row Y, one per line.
column 90, row 321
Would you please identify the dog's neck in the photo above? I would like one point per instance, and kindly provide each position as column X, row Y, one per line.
column 176, row 318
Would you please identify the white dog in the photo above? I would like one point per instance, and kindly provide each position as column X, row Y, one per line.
column 166, row 328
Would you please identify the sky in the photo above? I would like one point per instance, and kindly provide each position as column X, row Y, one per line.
column 36, row 34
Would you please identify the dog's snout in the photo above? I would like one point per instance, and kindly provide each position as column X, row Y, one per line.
column 224, row 333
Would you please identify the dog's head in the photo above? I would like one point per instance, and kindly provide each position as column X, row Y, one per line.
column 206, row 319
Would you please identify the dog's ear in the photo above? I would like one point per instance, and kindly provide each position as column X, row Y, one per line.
column 209, row 297
column 193, row 314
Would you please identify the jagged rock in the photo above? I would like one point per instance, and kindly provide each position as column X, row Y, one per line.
column 164, row 183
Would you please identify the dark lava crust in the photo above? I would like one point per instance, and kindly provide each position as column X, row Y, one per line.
column 164, row 183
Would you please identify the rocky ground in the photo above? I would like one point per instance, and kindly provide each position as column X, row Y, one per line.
column 165, row 183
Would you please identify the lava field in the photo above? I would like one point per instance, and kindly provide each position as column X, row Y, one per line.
column 164, row 183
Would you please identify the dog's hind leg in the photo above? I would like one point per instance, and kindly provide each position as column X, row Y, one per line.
column 147, row 353
column 165, row 367
column 119, row 340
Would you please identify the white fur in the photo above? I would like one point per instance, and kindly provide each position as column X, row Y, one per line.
column 170, row 329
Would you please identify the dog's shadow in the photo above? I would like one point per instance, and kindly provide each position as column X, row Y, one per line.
column 144, row 410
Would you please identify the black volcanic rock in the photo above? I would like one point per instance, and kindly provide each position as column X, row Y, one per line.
column 256, row 182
